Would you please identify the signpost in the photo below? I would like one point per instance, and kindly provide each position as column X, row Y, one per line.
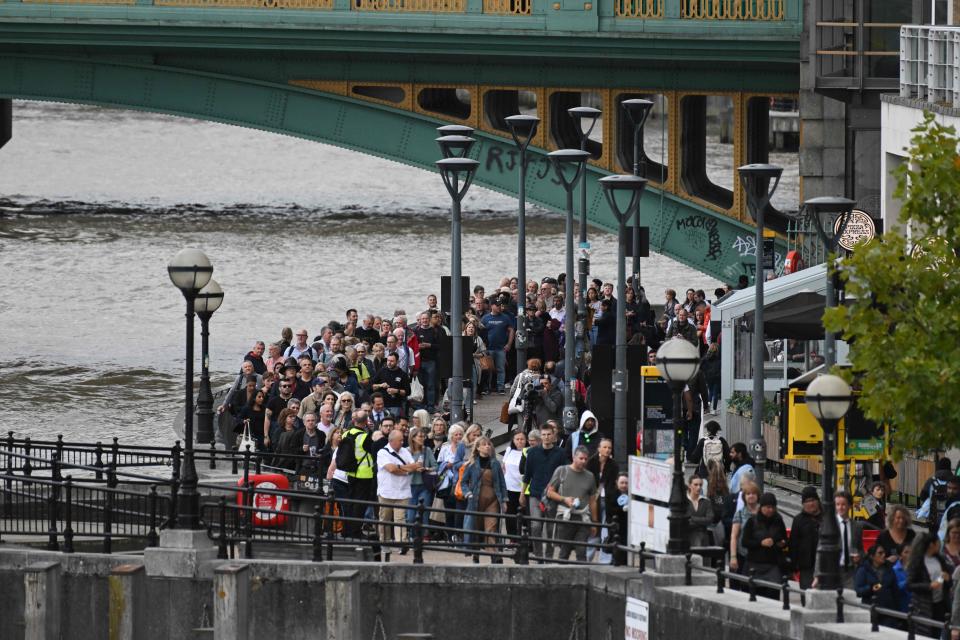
column 649, row 511
column 656, row 415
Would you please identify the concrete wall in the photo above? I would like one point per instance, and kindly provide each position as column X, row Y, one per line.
column 466, row 602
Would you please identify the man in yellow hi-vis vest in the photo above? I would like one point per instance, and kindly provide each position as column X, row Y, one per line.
column 362, row 481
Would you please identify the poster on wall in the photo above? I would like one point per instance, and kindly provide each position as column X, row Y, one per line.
column 636, row 620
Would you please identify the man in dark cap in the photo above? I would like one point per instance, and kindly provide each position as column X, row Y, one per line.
column 805, row 535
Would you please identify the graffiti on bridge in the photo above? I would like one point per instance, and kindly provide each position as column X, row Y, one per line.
column 714, row 246
column 501, row 159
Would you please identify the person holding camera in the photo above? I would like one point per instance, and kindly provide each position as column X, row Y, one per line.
column 549, row 400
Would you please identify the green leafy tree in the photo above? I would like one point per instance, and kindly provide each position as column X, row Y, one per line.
column 904, row 327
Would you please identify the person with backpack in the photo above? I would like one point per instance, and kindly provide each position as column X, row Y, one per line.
column 355, row 457
column 712, row 447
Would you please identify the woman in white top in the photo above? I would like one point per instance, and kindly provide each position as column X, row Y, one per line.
column 511, row 472
column 446, row 474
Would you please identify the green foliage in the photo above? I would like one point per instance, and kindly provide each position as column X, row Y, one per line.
column 742, row 403
column 903, row 326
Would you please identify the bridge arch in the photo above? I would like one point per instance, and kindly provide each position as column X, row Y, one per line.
column 703, row 239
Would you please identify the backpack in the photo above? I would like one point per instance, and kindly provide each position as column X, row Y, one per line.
column 347, row 453
column 712, row 450
column 937, row 486
column 458, row 491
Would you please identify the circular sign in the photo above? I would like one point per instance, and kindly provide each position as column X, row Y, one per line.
column 860, row 228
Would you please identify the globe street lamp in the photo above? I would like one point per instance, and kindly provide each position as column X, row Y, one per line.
column 591, row 115
column 522, row 129
column 830, row 216
column 611, row 186
column 678, row 362
column 190, row 270
column 637, row 110
column 207, row 301
column 828, row 398
column 755, row 179
column 457, row 174
column 578, row 160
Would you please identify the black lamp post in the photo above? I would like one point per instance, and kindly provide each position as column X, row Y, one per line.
column 828, row 398
column 678, row 362
column 634, row 186
column 457, row 174
column 637, row 110
column 207, row 301
column 523, row 129
column 591, row 115
column 578, row 160
column 830, row 216
column 190, row 270
column 756, row 179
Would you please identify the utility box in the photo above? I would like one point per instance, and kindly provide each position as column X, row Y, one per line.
column 801, row 436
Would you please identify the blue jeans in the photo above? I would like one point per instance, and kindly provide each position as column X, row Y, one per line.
column 418, row 492
column 500, row 362
column 428, row 376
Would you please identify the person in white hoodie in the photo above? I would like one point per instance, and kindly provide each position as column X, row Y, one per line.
column 587, row 435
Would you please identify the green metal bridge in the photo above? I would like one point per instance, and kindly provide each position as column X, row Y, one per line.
column 378, row 76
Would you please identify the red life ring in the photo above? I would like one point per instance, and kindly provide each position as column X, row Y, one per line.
column 793, row 262
column 273, row 506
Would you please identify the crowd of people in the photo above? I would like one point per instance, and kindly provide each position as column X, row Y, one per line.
column 375, row 387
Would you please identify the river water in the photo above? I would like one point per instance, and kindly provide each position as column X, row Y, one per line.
column 95, row 202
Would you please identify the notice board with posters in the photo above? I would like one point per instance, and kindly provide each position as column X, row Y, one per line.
column 656, row 416
column 651, row 481
column 636, row 619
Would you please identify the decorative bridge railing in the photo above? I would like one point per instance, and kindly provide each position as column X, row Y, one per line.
column 662, row 10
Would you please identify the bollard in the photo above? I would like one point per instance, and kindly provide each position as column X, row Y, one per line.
column 41, row 602
column 911, row 627
column 213, row 455
column 126, row 617
column 839, row 605
column 231, row 602
column 752, row 586
column 785, row 589
column 720, row 579
column 344, row 615
column 522, row 553
column 874, row 622
column 688, row 570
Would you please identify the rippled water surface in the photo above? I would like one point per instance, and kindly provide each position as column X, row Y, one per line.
column 94, row 202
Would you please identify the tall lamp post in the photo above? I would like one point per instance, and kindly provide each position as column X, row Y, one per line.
column 190, row 270
column 637, row 110
column 755, row 179
column 830, row 216
column 523, row 129
column 828, row 399
column 207, row 301
column 678, row 362
column 561, row 159
column 634, row 186
column 591, row 115
column 457, row 174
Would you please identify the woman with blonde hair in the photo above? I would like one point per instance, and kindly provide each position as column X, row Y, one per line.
column 447, row 474
column 421, row 420
column 421, row 482
column 343, row 410
column 484, row 489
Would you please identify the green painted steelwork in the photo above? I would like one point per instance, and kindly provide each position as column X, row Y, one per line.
column 705, row 240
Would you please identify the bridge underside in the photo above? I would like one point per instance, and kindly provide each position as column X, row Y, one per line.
column 391, row 107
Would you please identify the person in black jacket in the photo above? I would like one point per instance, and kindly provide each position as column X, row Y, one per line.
column 765, row 538
column 928, row 579
column 876, row 583
column 805, row 535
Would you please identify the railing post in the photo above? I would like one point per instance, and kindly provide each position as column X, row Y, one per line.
column 258, row 465
column 643, row 557
column 59, row 447
column 612, row 538
column 115, row 452
column 688, row 570
column 172, row 516
column 839, row 605
column 152, row 537
column 222, row 542
column 522, row 554
column 720, row 579
column 27, row 467
column 8, row 481
column 246, row 466
column 751, row 585
column 175, row 461
column 98, row 460
column 248, row 522
column 331, row 510
column 874, row 622
column 68, row 516
column 317, row 533
column 52, row 543
column 233, row 459
column 108, row 509
column 418, row 534
column 911, row 630
column 785, row 590
column 213, row 455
